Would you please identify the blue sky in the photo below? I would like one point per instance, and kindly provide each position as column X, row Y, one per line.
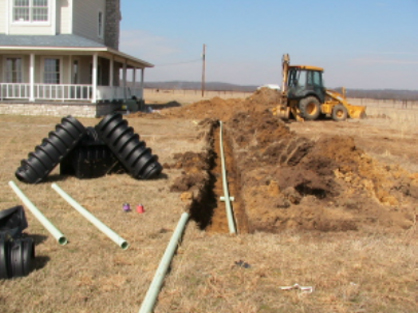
column 360, row 43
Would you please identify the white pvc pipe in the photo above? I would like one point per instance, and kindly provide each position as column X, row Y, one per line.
column 92, row 219
column 229, row 214
column 154, row 289
column 62, row 240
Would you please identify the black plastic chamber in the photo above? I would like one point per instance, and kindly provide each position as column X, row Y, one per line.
column 51, row 151
column 91, row 158
column 13, row 221
column 16, row 256
column 133, row 153
column 16, row 251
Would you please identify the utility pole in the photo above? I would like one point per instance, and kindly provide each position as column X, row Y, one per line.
column 203, row 69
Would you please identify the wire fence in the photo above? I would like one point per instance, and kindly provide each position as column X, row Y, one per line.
column 385, row 103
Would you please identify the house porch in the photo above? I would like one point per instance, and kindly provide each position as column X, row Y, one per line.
column 68, row 75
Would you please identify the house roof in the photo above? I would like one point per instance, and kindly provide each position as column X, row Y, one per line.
column 47, row 41
column 63, row 42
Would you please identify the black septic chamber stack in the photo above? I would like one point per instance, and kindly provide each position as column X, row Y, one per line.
column 91, row 158
column 128, row 148
column 112, row 146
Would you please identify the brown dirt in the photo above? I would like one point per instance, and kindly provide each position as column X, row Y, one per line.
column 218, row 108
column 287, row 181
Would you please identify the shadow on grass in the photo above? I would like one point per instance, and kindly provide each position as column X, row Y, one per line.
column 55, row 178
column 161, row 176
column 38, row 239
column 40, row 262
column 59, row 178
column 171, row 104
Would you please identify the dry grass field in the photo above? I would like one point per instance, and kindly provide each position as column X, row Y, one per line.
column 161, row 96
column 371, row 269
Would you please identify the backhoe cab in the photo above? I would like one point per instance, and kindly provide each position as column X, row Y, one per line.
column 306, row 98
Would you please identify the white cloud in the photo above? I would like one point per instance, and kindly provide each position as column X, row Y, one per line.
column 146, row 46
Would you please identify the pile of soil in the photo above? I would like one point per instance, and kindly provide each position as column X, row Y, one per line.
column 284, row 180
column 218, row 108
column 288, row 181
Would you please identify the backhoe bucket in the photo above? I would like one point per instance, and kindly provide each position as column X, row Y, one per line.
column 282, row 112
column 356, row 111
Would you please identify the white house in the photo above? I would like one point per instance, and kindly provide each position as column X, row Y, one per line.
column 65, row 50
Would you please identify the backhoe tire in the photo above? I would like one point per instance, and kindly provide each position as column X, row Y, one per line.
column 339, row 113
column 310, row 108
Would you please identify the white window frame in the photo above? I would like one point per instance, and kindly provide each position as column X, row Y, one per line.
column 42, row 69
column 100, row 26
column 16, row 56
column 31, row 21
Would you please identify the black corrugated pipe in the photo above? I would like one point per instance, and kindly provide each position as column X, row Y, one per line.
column 128, row 148
column 16, row 252
column 16, row 256
column 51, row 151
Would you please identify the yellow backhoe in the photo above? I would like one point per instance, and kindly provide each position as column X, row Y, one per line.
column 304, row 96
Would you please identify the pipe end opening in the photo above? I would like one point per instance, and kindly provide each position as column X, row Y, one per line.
column 62, row 241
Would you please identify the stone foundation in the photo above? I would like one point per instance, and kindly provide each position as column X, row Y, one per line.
column 58, row 109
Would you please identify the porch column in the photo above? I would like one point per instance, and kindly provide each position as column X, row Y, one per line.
column 70, row 70
column 32, row 78
column 134, row 77
column 112, row 79
column 94, row 79
column 124, row 81
column 141, row 86
column 111, row 72
column 134, row 81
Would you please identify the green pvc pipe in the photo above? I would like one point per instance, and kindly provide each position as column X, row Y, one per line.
column 154, row 289
column 92, row 219
column 62, row 240
column 229, row 213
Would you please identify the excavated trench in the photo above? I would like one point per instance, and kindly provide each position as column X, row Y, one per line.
column 281, row 180
column 202, row 184
column 284, row 181
column 219, row 222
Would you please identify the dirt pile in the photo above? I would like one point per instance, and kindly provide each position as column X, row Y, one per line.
column 222, row 109
column 288, row 181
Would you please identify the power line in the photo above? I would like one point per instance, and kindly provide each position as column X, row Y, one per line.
column 178, row 63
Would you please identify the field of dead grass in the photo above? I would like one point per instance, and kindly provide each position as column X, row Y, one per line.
column 369, row 271
column 160, row 96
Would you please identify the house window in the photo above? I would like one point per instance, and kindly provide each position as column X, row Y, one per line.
column 14, row 70
column 51, row 71
column 30, row 10
column 100, row 24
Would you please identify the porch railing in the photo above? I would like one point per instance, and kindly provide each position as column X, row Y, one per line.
column 62, row 92
column 65, row 92
column 14, row 91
